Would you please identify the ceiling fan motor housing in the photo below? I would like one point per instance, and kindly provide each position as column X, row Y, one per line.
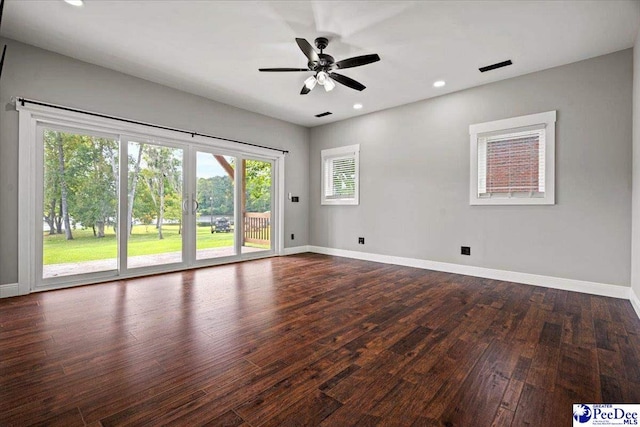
column 326, row 63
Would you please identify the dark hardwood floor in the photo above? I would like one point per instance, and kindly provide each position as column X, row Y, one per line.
column 313, row 340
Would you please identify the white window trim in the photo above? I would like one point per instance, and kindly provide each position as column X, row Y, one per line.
column 546, row 119
column 333, row 153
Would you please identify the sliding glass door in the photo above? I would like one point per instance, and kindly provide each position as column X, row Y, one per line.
column 82, row 201
column 257, row 205
column 103, row 205
column 215, row 222
column 154, row 204
column 224, row 182
column 79, row 202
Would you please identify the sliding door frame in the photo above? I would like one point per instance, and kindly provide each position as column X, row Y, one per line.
column 192, row 230
column 33, row 117
column 125, row 140
column 38, row 193
column 239, row 245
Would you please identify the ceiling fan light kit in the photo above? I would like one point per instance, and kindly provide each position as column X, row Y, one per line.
column 329, row 85
column 323, row 66
column 310, row 83
column 322, row 77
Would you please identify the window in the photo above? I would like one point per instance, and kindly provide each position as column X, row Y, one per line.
column 512, row 161
column 340, row 175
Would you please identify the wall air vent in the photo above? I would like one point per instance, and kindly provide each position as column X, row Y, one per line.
column 494, row 66
column 326, row 113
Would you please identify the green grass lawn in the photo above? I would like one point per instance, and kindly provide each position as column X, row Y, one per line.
column 143, row 241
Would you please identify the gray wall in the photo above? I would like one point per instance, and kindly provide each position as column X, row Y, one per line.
column 635, row 252
column 414, row 165
column 39, row 74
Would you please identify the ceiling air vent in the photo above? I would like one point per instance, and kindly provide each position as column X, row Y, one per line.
column 326, row 113
column 494, row 66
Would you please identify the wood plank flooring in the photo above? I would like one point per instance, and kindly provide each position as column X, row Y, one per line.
column 313, row 340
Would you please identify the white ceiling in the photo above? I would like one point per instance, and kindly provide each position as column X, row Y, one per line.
column 214, row 48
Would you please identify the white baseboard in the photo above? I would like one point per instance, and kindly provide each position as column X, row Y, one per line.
column 9, row 290
column 635, row 301
column 602, row 289
column 296, row 250
column 593, row 288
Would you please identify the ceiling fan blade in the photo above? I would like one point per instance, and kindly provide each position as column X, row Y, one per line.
column 305, row 90
column 357, row 61
column 347, row 81
column 283, row 69
column 308, row 51
column 4, row 51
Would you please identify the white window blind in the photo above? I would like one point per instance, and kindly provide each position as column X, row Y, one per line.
column 340, row 178
column 512, row 163
column 340, row 175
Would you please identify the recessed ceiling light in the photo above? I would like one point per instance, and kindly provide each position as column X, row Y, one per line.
column 439, row 83
column 75, row 2
column 357, row 106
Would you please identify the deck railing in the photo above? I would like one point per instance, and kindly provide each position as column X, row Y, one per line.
column 257, row 228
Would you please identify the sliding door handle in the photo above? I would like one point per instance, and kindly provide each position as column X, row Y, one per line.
column 195, row 204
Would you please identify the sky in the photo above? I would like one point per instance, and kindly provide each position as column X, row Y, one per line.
column 206, row 165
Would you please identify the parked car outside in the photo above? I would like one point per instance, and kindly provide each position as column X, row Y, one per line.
column 221, row 225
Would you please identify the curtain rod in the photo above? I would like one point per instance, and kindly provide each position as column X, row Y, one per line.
column 23, row 101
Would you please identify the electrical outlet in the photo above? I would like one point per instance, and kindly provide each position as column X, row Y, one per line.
column 361, row 240
column 291, row 236
column 465, row 250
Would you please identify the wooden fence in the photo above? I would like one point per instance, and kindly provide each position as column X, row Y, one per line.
column 257, row 228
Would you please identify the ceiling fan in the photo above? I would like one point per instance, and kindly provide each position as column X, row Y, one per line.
column 323, row 66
